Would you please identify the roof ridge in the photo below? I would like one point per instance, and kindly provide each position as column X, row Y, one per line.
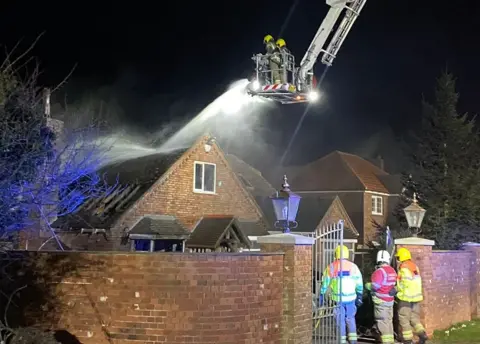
column 350, row 169
column 372, row 166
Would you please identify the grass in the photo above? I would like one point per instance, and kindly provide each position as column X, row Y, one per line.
column 462, row 333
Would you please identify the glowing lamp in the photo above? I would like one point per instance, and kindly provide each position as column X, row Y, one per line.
column 255, row 85
column 313, row 96
column 285, row 204
column 414, row 214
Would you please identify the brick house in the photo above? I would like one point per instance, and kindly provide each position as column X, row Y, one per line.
column 160, row 199
column 368, row 193
column 315, row 211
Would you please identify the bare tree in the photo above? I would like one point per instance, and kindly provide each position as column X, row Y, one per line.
column 46, row 169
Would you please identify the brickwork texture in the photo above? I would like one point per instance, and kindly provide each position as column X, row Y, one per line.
column 297, row 292
column 451, row 285
column 168, row 298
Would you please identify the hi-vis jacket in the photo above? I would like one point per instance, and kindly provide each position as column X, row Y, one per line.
column 409, row 282
column 383, row 281
column 351, row 283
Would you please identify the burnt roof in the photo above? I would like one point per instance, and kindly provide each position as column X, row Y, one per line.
column 132, row 179
column 312, row 210
column 159, row 227
column 210, row 230
column 251, row 178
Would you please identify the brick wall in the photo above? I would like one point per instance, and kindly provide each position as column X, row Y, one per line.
column 167, row 298
column 449, row 292
column 451, row 285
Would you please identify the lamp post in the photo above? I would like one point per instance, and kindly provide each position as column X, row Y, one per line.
column 285, row 204
column 414, row 214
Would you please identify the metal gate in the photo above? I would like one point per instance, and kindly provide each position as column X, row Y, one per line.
column 325, row 328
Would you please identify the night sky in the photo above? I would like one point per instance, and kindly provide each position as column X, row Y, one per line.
column 161, row 53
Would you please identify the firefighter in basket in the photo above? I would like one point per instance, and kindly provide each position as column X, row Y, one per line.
column 344, row 281
column 284, row 54
column 274, row 59
column 382, row 289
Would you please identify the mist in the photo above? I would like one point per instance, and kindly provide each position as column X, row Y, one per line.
column 238, row 122
column 139, row 124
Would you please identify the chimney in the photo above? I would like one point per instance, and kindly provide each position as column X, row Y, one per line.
column 381, row 163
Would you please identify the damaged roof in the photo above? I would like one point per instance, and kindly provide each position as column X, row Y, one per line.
column 159, row 227
column 251, row 178
column 132, row 179
column 211, row 230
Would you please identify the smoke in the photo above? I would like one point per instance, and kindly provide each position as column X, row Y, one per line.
column 238, row 121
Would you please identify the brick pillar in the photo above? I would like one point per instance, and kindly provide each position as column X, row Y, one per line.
column 297, row 284
column 421, row 250
column 474, row 248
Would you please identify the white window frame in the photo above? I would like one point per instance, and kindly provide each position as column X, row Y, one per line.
column 375, row 200
column 203, row 163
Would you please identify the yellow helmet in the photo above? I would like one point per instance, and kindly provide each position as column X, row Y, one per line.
column 342, row 252
column 403, row 254
column 267, row 38
column 281, row 42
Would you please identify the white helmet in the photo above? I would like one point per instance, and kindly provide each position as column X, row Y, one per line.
column 383, row 257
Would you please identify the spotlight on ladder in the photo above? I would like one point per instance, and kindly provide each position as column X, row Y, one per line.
column 313, row 96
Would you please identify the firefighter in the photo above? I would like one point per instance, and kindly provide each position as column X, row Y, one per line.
column 382, row 287
column 284, row 53
column 409, row 295
column 349, row 297
column 273, row 58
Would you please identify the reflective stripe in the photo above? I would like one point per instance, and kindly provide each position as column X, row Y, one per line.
column 409, row 283
column 407, row 335
column 383, row 279
column 352, row 336
column 387, row 338
column 419, row 328
column 345, row 274
column 383, row 295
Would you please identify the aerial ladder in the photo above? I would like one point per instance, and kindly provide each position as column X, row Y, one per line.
column 298, row 84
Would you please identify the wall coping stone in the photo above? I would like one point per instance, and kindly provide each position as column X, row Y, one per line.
column 415, row 241
column 471, row 244
column 286, row 239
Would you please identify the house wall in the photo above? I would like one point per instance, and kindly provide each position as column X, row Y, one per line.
column 175, row 196
column 160, row 298
column 451, row 285
column 371, row 222
column 353, row 203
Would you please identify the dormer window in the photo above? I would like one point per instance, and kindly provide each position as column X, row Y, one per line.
column 204, row 177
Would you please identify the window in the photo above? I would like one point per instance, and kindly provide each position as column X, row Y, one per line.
column 204, row 177
column 149, row 245
column 377, row 205
column 142, row 245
